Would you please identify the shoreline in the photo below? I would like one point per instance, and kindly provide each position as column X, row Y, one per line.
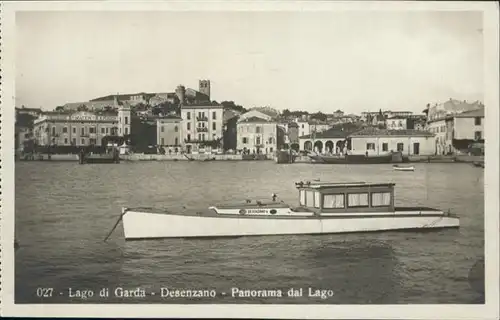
column 234, row 157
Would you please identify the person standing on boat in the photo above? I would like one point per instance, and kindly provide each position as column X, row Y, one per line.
column 274, row 195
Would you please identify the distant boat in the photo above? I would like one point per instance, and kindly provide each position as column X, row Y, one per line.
column 323, row 208
column 403, row 168
column 395, row 157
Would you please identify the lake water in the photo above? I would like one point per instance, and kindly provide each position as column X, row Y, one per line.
column 65, row 210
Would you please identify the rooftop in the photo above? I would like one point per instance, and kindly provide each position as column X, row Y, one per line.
column 328, row 134
column 324, row 185
column 370, row 131
column 471, row 114
column 255, row 120
column 205, row 105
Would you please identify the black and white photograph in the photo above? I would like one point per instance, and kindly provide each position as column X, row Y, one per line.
column 200, row 159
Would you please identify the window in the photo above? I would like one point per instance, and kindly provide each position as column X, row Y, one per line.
column 189, row 126
column 82, row 131
column 385, row 146
column 214, row 115
column 214, row 126
column 83, row 141
column 302, row 196
column 302, row 126
column 103, row 130
column 163, row 128
column 357, row 200
column 126, row 120
column 271, row 140
column 258, row 141
column 92, row 141
column 477, row 121
column 370, row 146
column 188, row 137
column 199, row 136
column 176, row 129
column 189, row 115
column 162, row 141
column 477, row 135
column 176, row 141
column 107, row 130
column 244, row 140
column 65, row 140
column 65, row 130
column 74, row 130
column 91, row 130
column 126, row 130
column 53, row 131
column 257, row 130
column 333, row 201
column 400, row 146
column 309, row 198
column 203, row 137
column 271, row 150
column 74, row 141
column 381, row 199
column 317, row 199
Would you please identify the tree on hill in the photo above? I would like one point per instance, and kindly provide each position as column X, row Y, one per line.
column 231, row 105
column 319, row 116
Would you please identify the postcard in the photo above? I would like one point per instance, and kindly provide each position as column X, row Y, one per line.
column 235, row 159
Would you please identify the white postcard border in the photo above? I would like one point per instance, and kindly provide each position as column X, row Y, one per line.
column 491, row 81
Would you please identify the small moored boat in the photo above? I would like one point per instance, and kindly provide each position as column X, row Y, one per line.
column 323, row 208
column 403, row 168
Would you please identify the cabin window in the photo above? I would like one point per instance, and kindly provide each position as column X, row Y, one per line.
column 370, row 146
column 317, row 199
column 333, row 201
column 381, row 199
column 302, row 197
column 309, row 198
column 357, row 200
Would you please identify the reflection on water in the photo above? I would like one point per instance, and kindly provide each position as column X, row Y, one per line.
column 64, row 211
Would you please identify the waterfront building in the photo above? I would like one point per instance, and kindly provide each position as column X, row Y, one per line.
column 381, row 141
column 169, row 131
column 81, row 128
column 454, row 132
column 257, row 133
column 331, row 141
column 202, row 126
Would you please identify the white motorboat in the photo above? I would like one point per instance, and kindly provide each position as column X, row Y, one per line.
column 403, row 168
column 323, row 208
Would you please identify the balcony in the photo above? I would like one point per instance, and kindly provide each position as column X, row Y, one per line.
column 201, row 129
column 202, row 118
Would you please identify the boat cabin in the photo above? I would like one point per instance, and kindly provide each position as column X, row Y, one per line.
column 348, row 197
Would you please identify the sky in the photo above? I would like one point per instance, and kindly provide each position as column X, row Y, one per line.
column 314, row 61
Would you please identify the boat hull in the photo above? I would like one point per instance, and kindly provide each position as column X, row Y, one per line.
column 358, row 159
column 150, row 225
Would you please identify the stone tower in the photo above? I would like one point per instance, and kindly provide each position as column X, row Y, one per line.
column 205, row 87
column 181, row 93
